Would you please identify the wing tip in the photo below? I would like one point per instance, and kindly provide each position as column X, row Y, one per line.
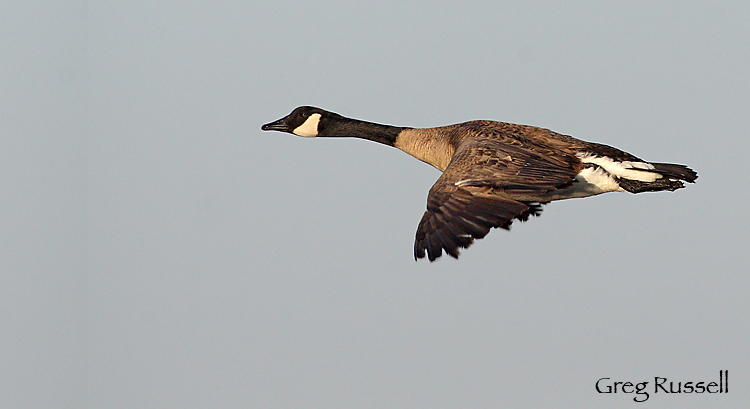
column 434, row 238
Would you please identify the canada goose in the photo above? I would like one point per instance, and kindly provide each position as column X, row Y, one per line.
column 494, row 172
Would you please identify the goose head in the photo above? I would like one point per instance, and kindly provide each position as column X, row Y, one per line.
column 303, row 121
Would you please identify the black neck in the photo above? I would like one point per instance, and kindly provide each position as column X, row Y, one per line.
column 347, row 127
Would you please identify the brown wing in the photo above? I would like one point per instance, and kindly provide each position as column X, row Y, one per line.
column 488, row 184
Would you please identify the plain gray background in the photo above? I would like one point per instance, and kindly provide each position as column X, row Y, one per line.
column 159, row 251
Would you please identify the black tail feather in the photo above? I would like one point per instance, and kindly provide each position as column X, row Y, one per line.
column 672, row 171
column 672, row 177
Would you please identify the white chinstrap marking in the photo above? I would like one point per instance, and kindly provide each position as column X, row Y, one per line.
column 627, row 170
column 309, row 129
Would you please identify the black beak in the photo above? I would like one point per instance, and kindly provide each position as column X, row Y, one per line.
column 279, row 125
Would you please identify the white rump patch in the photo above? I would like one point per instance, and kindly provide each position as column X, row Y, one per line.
column 309, row 129
column 639, row 171
column 637, row 165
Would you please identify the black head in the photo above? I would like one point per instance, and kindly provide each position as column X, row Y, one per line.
column 303, row 121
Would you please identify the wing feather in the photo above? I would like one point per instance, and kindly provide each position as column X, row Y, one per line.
column 488, row 183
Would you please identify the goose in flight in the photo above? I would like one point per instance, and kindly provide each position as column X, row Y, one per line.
column 494, row 172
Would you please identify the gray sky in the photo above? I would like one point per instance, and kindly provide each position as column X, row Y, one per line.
column 159, row 250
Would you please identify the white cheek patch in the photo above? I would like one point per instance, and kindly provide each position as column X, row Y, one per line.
column 639, row 171
column 309, row 129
